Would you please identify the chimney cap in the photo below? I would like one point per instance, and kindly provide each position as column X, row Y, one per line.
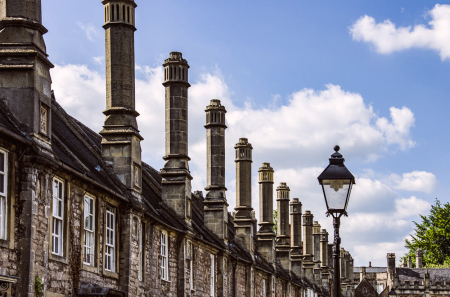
column 243, row 142
column 175, row 57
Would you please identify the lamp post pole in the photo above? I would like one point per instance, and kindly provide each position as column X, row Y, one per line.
column 336, row 249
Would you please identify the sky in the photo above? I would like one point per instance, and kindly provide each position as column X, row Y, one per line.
column 297, row 78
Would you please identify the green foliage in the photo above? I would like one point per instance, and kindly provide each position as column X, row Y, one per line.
column 275, row 221
column 432, row 236
column 38, row 287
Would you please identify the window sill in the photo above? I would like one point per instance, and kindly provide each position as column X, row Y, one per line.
column 89, row 268
column 4, row 243
column 111, row 274
column 166, row 281
column 57, row 258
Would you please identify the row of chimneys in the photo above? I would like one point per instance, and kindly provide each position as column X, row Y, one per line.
column 121, row 139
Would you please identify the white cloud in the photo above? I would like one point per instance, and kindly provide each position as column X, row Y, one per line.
column 420, row 181
column 387, row 38
column 99, row 60
column 407, row 207
column 89, row 29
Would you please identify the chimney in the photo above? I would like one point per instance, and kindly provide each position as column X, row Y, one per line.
column 316, row 253
column 121, row 139
column 324, row 257
column 418, row 258
column 243, row 222
column 266, row 235
column 409, row 262
column 370, row 264
column 25, row 80
column 176, row 177
column 215, row 203
column 308, row 264
column 404, row 262
column 296, row 237
column 282, row 246
column 391, row 273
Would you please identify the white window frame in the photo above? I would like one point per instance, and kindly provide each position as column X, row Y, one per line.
column 58, row 217
column 141, row 258
column 212, row 278
column 89, row 231
column 4, row 196
column 110, row 239
column 164, row 256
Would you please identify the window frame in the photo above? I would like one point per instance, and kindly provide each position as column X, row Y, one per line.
column 92, row 231
column 110, row 248
column 4, row 198
column 141, row 251
column 164, row 264
column 212, row 277
column 58, row 217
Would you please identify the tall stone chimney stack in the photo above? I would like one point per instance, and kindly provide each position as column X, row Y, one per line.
column 324, row 257
column 316, row 252
column 24, row 67
column 176, row 177
column 266, row 235
column 215, row 204
column 121, row 139
column 308, row 263
column 283, row 238
column 243, row 221
column 419, row 258
column 296, row 237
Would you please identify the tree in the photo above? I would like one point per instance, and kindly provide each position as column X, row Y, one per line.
column 432, row 236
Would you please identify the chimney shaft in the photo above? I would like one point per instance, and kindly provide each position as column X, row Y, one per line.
column 266, row 235
column 176, row 178
column 283, row 238
column 243, row 221
column 215, row 204
column 418, row 258
column 409, row 262
column 308, row 264
column 296, row 236
column 121, row 139
column 25, row 69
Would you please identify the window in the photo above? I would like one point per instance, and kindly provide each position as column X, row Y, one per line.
column 3, row 191
column 89, row 231
column 190, row 253
column 212, row 276
column 380, row 288
column 164, row 256
column 141, row 252
column 58, row 217
column 264, row 288
column 110, row 252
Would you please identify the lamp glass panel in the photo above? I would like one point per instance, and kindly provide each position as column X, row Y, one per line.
column 336, row 191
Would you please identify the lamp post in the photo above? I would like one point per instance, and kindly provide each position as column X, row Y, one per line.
column 336, row 181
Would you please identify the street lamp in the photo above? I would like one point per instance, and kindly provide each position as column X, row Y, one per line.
column 336, row 181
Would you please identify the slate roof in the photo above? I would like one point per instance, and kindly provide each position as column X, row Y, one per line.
column 371, row 269
column 418, row 274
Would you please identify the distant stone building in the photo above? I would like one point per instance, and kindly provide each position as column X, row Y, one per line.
column 404, row 281
column 82, row 215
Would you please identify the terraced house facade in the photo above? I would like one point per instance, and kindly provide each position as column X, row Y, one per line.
column 82, row 215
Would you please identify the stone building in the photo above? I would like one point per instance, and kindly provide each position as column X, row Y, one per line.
column 82, row 215
column 404, row 281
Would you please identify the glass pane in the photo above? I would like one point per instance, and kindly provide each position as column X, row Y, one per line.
column 56, row 246
column 59, row 208
column 60, row 195
column 2, row 183
column 55, row 206
column 2, row 162
column 336, row 193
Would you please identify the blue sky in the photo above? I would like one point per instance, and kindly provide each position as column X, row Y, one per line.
column 297, row 77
